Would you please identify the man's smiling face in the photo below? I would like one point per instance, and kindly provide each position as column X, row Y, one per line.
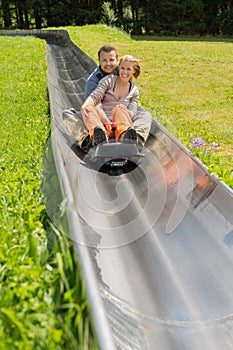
column 108, row 62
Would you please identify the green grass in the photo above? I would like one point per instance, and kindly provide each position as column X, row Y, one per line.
column 186, row 83
column 42, row 296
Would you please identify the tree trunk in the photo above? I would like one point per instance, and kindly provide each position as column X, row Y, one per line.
column 19, row 15
column 6, row 13
column 38, row 19
column 27, row 24
column 120, row 10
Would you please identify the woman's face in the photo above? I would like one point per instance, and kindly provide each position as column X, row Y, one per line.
column 126, row 70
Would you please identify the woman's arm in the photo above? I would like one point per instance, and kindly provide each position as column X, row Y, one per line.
column 133, row 104
column 98, row 94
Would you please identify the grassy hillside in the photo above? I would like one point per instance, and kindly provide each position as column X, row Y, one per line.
column 42, row 296
column 186, row 84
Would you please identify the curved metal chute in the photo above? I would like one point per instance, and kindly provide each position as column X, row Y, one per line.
column 155, row 242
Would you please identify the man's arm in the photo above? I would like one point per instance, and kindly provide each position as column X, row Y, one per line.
column 98, row 93
column 94, row 80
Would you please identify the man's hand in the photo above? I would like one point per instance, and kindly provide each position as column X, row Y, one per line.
column 88, row 103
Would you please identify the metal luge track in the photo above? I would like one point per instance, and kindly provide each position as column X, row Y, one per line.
column 155, row 242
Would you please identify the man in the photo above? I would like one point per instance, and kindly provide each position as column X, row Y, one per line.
column 108, row 59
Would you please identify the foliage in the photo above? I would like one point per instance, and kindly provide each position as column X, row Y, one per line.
column 108, row 15
column 164, row 17
column 42, row 295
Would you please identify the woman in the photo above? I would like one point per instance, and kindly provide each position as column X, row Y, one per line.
column 118, row 96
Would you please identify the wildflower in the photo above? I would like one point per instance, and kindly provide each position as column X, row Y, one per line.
column 199, row 143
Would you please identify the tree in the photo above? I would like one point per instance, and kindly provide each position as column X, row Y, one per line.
column 120, row 11
column 137, row 21
column 108, row 15
column 88, row 12
column 163, row 17
column 19, row 10
column 226, row 17
column 211, row 24
column 6, row 13
column 37, row 7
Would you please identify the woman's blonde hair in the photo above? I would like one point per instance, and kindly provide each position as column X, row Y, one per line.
column 136, row 65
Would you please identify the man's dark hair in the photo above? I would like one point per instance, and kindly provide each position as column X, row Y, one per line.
column 107, row 48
